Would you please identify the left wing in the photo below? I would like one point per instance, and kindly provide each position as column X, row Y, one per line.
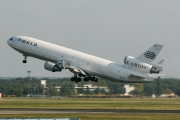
column 140, row 78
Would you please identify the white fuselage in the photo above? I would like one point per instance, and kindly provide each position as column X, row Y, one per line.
column 91, row 64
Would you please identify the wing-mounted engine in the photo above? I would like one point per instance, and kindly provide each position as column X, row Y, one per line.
column 58, row 66
column 52, row 67
column 142, row 66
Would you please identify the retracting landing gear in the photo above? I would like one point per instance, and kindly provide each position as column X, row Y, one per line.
column 25, row 57
column 76, row 79
column 90, row 78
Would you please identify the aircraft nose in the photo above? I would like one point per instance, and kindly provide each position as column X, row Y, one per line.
column 9, row 41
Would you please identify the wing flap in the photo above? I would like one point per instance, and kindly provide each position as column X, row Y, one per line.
column 77, row 70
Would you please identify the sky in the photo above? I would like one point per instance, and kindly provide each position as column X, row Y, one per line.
column 111, row 29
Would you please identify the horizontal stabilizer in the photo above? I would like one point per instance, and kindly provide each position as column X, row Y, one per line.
column 160, row 62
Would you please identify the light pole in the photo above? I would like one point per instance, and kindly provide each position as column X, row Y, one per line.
column 28, row 73
column 29, row 80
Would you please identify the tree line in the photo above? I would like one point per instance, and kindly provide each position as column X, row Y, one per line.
column 25, row 86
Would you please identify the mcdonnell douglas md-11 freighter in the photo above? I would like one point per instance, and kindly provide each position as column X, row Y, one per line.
column 89, row 67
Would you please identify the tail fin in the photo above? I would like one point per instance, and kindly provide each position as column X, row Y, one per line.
column 150, row 55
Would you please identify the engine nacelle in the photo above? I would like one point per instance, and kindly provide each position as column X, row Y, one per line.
column 51, row 67
column 139, row 65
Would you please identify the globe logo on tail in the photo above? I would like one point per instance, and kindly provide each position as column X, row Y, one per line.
column 150, row 55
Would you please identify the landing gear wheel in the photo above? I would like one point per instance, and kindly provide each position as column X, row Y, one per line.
column 25, row 57
column 72, row 79
column 24, row 61
column 86, row 79
column 79, row 79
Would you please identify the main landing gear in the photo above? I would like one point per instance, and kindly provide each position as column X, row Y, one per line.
column 25, row 57
column 86, row 79
column 76, row 79
column 90, row 78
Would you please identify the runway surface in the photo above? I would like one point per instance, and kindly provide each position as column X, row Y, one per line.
column 92, row 111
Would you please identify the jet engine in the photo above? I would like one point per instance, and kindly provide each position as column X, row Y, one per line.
column 51, row 67
column 139, row 65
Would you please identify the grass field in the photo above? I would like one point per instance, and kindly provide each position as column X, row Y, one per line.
column 101, row 116
column 95, row 103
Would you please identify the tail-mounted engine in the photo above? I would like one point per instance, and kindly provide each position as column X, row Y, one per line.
column 141, row 66
column 51, row 67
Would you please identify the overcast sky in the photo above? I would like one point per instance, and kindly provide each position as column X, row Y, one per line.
column 111, row 29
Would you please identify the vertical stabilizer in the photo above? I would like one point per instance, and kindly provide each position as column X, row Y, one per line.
column 150, row 55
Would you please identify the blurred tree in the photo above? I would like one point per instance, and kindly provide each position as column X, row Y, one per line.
column 96, row 91
column 67, row 89
column 116, row 88
column 102, row 91
column 19, row 86
column 158, row 89
column 53, row 91
column 16, row 90
column 87, row 91
column 148, row 89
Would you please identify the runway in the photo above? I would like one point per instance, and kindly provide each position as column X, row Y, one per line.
column 84, row 111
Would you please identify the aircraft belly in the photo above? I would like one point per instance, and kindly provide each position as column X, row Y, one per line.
column 35, row 55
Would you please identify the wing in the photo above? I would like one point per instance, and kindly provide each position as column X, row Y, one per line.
column 73, row 69
column 140, row 78
column 132, row 76
column 78, row 71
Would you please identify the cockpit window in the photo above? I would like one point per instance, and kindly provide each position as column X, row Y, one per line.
column 11, row 39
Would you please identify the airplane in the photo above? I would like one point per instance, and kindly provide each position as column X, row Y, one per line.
column 88, row 67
